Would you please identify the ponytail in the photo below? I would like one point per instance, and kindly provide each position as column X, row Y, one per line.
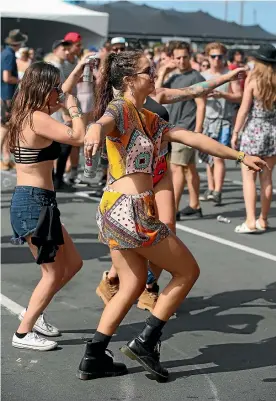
column 116, row 67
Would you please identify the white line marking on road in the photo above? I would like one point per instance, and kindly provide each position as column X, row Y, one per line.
column 12, row 306
column 67, row 304
column 202, row 234
column 223, row 241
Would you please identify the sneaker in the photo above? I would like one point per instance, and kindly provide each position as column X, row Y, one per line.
column 148, row 298
column 178, row 216
column 106, row 290
column 42, row 326
column 208, row 195
column 217, row 198
column 97, row 363
column 33, row 341
column 189, row 211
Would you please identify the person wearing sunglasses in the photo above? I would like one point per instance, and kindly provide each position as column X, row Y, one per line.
column 127, row 218
column 34, row 139
column 218, row 118
column 162, row 181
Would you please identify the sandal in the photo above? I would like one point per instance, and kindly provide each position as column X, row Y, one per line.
column 259, row 227
column 244, row 229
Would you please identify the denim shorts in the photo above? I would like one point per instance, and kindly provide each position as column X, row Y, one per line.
column 225, row 135
column 26, row 205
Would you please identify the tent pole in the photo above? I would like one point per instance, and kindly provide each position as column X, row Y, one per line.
column 225, row 10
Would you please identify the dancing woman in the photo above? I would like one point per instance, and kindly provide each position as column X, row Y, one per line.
column 34, row 214
column 127, row 217
column 162, row 183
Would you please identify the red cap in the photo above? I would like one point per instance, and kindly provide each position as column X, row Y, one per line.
column 73, row 37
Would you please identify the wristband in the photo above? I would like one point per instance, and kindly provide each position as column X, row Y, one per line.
column 94, row 123
column 241, row 156
column 77, row 115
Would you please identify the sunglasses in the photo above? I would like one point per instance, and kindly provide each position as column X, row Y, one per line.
column 118, row 49
column 219, row 56
column 59, row 92
column 150, row 71
column 205, row 65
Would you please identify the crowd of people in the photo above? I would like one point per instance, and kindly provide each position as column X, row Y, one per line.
column 150, row 113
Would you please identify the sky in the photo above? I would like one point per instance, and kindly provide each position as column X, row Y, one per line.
column 255, row 12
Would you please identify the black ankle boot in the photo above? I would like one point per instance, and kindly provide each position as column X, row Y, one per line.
column 145, row 349
column 96, row 363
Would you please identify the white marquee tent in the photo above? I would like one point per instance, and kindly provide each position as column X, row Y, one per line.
column 93, row 25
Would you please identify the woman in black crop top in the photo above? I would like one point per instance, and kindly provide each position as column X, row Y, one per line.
column 35, row 218
column 127, row 217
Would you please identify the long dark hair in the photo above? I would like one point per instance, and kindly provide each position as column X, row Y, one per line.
column 32, row 94
column 116, row 67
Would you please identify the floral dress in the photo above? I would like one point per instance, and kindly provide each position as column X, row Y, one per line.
column 259, row 134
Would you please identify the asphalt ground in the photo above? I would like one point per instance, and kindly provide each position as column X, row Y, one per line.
column 221, row 345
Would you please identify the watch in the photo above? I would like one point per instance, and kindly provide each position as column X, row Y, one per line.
column 241, row 156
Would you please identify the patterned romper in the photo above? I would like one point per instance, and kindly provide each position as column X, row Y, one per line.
column 130, row 221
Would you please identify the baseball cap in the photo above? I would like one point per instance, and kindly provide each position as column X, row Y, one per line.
column 60, row 42
column 118, row 40
column 73, row 37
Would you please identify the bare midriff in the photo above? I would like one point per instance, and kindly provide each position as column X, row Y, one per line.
column 36, row 175
column 133, row 184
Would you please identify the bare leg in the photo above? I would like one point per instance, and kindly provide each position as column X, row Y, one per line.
column 266, row 190
column 193, row 183
column 219, row 173
column 54, row 276
column 178, row 179
column 210, row 177
column 173, row 256
column 132, row 271
column 249, row 194
column 170, row 254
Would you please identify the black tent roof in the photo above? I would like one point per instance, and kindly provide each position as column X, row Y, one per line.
column 141, row 21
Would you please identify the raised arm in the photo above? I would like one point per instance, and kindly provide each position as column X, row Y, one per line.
column 212, row 147
column 168, row 95
column 46, row 126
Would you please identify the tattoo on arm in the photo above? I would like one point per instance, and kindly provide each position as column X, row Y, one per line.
column 199, row 89
column 70, row 133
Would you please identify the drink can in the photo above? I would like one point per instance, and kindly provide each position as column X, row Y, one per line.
column 222, row 219
column 88, row 69
column 91, row 165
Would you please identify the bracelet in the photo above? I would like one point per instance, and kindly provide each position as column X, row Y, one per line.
column 96, row 122
column 77, row 115
column 241, row 156
column 79, row 109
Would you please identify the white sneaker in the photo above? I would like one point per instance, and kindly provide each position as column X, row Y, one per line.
column 42, row 326
column 33, row 341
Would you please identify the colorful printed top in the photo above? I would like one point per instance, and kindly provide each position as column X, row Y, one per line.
column 134, row 146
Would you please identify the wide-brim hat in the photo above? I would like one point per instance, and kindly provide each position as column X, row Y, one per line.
column 266, row 53
column 16, row 37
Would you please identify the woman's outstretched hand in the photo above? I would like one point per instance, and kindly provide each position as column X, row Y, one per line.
column 92, row 140
column 254, row 163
